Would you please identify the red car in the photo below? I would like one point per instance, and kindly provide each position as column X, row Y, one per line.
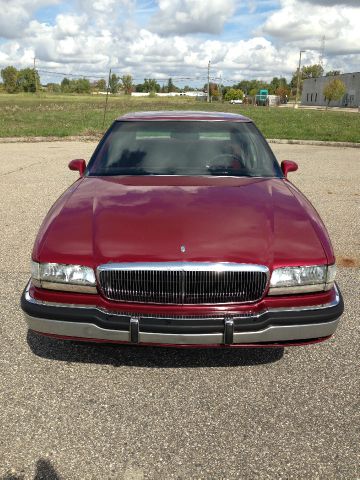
column 183, row 230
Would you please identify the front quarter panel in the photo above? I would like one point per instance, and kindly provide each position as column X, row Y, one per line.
column 316, row 221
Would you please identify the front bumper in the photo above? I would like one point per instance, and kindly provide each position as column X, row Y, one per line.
column 272, row 326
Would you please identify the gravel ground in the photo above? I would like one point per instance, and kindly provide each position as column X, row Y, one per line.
column 72, row 411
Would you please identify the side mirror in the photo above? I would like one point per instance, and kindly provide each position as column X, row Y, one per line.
column 78, row 165
column 288, row 166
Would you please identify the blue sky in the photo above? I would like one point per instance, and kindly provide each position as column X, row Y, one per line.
column 163, row 38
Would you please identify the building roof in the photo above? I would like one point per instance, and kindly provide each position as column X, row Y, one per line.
column 184, row 115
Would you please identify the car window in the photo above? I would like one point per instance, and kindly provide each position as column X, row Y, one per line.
column 184, row 148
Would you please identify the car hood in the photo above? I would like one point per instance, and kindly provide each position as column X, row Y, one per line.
column 149, row 219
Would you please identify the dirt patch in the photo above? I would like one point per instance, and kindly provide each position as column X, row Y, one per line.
column 347, row 262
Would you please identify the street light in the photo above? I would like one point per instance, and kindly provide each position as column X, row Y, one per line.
column 298, row 80
column 208, row 85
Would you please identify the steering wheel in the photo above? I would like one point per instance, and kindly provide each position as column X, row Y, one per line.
column 225, row 161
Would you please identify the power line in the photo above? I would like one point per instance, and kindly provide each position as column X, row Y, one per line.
column 83, row 75
column 68, row 74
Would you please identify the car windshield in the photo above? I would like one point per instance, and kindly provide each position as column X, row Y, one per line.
column 184, row 148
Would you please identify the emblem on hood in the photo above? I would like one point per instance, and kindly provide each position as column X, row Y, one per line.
column 183, row 249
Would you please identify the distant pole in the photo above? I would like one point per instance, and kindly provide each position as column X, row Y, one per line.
column 220, row 88
column 298, row 81
column 208, row 89
column 322, row 51
column 107, row 95
column 35, row 74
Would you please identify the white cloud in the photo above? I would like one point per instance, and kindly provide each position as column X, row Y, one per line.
column 304, row 25
column 89, row 40
column 70, row 25
column 16, row 15
column 329, row 3
column 191, row 16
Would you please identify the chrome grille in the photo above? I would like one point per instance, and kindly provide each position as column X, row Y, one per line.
column 183, row 283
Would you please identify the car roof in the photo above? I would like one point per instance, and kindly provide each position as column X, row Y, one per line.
column 183, row 115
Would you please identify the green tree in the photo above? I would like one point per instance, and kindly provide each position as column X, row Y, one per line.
column 275, row 84
column 151, row 85
column 100, row 85
column 170, row 86
column 127, row 84
column 9, row 76
column 82, row 85
column 53, row 88
column 234, row 94
column 334, row 90
column 114, row 83
column 283, row 92
column 332, row 73
column 214, row 90
column 28, row 80
column 312, row 71
column 307, row 71
column 65, row 85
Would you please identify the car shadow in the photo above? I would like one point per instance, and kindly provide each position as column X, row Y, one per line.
column 44, row 471
column 149, row 357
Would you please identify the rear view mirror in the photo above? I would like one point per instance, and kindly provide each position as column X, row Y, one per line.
column 79, row 165
column 288, row 166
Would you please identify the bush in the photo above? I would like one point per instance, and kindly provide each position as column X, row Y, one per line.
column 334, row 90
column 234, row 94
column 9, row 76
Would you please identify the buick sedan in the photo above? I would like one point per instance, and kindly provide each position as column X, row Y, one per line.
column 183, row 230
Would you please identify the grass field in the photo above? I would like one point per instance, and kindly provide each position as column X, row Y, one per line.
column 59, row 115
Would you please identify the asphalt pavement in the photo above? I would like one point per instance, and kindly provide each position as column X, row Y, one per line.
column 73, row 411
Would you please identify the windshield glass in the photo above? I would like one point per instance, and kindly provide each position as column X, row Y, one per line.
column 184, row 148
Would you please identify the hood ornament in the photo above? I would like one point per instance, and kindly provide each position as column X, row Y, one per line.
column 183, row 249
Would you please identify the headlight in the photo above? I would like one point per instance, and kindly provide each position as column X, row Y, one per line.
column 58, row 276
column 289, row 280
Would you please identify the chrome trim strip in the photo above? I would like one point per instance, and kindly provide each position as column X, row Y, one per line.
column 316, row 287
column 182, row 338
column 30, row 299
column 186, row 267
column 76, row 329
column 288, row 332
column 333, row 303
column 68, row 287
column 269, row 334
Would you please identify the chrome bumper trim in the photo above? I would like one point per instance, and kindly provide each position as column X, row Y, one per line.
column 253, row 314
column 269, row 334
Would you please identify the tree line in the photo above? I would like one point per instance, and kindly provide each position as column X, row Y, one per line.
column 28, row 80
column 25, row 80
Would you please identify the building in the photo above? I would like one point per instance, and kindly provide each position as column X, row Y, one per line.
column 313, row 88
column 195, row 94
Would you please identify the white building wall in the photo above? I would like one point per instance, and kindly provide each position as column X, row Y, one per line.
column 313, row 89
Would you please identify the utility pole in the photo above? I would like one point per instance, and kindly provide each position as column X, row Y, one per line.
column 107, row 95
column 208, row 89
column 322, row 51
column 35, row 77
column 220, row 88
column 298, row 81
